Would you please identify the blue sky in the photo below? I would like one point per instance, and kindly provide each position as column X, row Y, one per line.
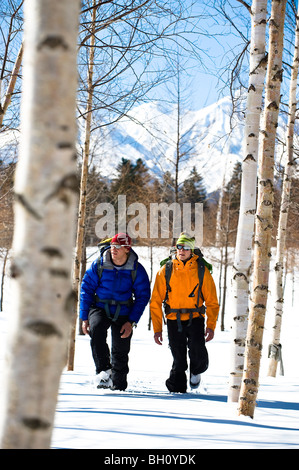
column 222, row 47
column 217, row 42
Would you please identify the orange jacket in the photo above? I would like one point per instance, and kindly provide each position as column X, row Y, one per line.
column 183, row 280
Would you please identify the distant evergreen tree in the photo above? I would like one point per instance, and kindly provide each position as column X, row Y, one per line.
column 233, row 187
column 231, row 205
column 167, row 188
column 163, row 191
column 97, row 191
column 122, row 184
column 141, row 179
column 132, row 181
column 194, row 190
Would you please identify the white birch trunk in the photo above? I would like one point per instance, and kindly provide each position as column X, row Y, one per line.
column 46, row 189
column 219, row 239
column 219, row 236
column 243, row 251
column 264, row 217
column 275, row 346
column 83, row 192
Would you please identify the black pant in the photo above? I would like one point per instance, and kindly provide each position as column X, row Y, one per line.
column 99, row 324
column 191, row 338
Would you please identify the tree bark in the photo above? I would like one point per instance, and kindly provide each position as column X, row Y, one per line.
column 263, row 231
column 3, row 278
column 219, row 238
column 46, row 190
column 275, row 346
column 245, row 233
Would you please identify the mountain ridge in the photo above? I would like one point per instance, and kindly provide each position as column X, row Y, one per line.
column 207, row 140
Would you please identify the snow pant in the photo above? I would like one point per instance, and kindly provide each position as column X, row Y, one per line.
column 99, row 324
column 191, row 339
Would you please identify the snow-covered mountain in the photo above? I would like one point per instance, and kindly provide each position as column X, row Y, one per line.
column 151, row 134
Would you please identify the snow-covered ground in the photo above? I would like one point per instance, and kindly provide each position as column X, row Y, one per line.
column 147, row 416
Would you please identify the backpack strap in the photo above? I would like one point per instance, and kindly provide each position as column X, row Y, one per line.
column 201, row 272
column 168, row 272
column 108, row 302
column 134, row 273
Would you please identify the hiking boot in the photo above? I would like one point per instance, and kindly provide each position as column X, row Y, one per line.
column 181, row 388
column 194, row 380
column 120, row 388
column 103, row 379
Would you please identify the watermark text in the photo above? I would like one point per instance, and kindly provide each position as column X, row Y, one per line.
column 154, row 220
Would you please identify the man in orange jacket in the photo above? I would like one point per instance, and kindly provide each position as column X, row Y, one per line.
column 185, row 314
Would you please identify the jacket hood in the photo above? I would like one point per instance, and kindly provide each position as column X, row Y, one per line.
column 130, row 264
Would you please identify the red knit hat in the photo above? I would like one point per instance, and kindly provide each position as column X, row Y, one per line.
column 122, row 239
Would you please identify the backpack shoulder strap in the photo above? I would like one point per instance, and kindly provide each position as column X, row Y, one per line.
column 168, row 271
column 134, row 273
column 99, row 268
column 201, row 272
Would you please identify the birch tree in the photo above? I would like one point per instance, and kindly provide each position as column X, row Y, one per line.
column 243, row 251
column 219, row 235
column 46, row 193
column 275, row 346
column 264, row 218
column 83, row 188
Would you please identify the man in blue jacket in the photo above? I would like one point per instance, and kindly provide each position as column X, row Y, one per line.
column 114, row 293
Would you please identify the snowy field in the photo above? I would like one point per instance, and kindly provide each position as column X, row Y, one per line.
column 147, row 416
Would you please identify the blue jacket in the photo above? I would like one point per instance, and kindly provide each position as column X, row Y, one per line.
column 116, row 284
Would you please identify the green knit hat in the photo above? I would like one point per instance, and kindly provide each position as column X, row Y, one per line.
column 186, row 239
